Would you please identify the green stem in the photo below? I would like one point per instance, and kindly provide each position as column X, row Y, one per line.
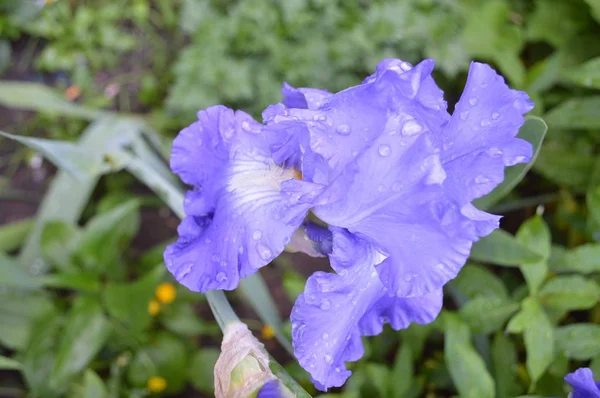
column 221, row 308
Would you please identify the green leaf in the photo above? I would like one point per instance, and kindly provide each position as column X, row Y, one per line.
column 84, row 282
column 533, row 131
column 579, row 341
column 585, row 75
column 556, row 22
column 13, row 234
column 256, row 292
column 538, row 333
column 377, row 375
column 505, row 363
column 38, row 97
column 568, row 293
column 12, row 274
column 181, row 318
column 113, row 229
column 85, row 333
column 165, row 356
column 91, row 386
column 40, row 357
column 595, row 6
column 59, row 241
column 201, row 370
column 402, row 376
column 9, row 364
column 475, row 281
column 593, row 203
column 502, row 248
column 128, row 302
column 575, row 113
column 535, row 236
column 466, row 367
column 487, row 314
column 584, row 259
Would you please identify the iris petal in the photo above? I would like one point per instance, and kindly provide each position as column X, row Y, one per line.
column 584, row 386
column 335, row 310
column 238, row 219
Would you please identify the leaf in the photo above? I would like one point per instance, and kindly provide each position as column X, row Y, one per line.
column 40, row 357
column 12, row 274
column 113, row 229
column 9, row 364
column 556, row 22
column 38, row 97
column 256, row 293
column 504, row 363
column 580, row 341
column 13, row 234
column 533, row 130
column 487, row 314
column 180, row 318
column 84, row 282
column 538, row 333
column 595, row 6
column 593, row 203
column 575, row 113
column 165, row 356
column 466, row 367
column 568, row 293
column 583, row 259
column 502, row 248
column 475, row 281
column 84, row 334
column 402, row 377
column 586, row 74
column 128, row 302
column 59, row 242
column 92, row 386
column 201, row 370
column 535, row 236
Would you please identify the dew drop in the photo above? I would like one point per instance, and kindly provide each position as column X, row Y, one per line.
column 246, row 126
column 381, row 188
column 385, row 150
column 215, row 258
column 264, row 252
column 328, row 359
column 207, row 240
column 396, row 186
column 354, row 154
column 343, row 129
column 223, row 263
column 241, row 249
column 407, row 277
column 411, row 128
column 221, row 277
column 481, row 180
column 485, row 122
column 405, row 66
column 325, row 336
column 463, row 115
column 495, row 115
column 472, row 101
column 325, row 304
column 256, row 235
column 494, row 152
column 393, row 132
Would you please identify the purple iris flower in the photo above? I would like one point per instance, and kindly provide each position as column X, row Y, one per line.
column 398, row 175
column 383, row 164
column 583, row 383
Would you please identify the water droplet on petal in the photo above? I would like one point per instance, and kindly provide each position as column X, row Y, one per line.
column 494, row 152
column 381, row 188
column 241, row 249
column 354, row 154
column 495, row 115
column 396, row 186
column 393, row 132
column 215, row 258
column 385, row 150
column 325, row 336
column 463, row 115
column 264, row 252
column 325, row 304
column 223, row 263
column 343, row 129
column 411, row 127
column 221, row 277
column 472, row 101
column 246, row 126
column 407, row 277
column 405, row 66
column 485, row 122
column 328, row 359
column 256, row 235
column 207, row 240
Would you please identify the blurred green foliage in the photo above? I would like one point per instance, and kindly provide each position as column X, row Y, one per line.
column 75, row 304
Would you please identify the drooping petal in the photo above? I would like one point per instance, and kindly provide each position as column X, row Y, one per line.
column 583, row 383
column 335, row 310
column 303, row 98
column 238, row 219
column 479, row 140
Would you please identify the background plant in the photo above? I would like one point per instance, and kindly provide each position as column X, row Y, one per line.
column 84, row 311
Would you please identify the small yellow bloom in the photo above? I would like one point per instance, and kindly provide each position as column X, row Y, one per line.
column 165, row 292
column 267, row 332
column 156, row 384
column 153, row 307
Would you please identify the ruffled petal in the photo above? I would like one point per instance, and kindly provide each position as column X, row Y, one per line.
column 303, row 98
column 329, row 318
column 238, row 219
column 583, row 383
column 479, row 140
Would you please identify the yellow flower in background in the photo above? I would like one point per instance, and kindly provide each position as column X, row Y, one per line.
column 267, row 332
column 165, row 292
column 153, row 307
column 156, row 384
